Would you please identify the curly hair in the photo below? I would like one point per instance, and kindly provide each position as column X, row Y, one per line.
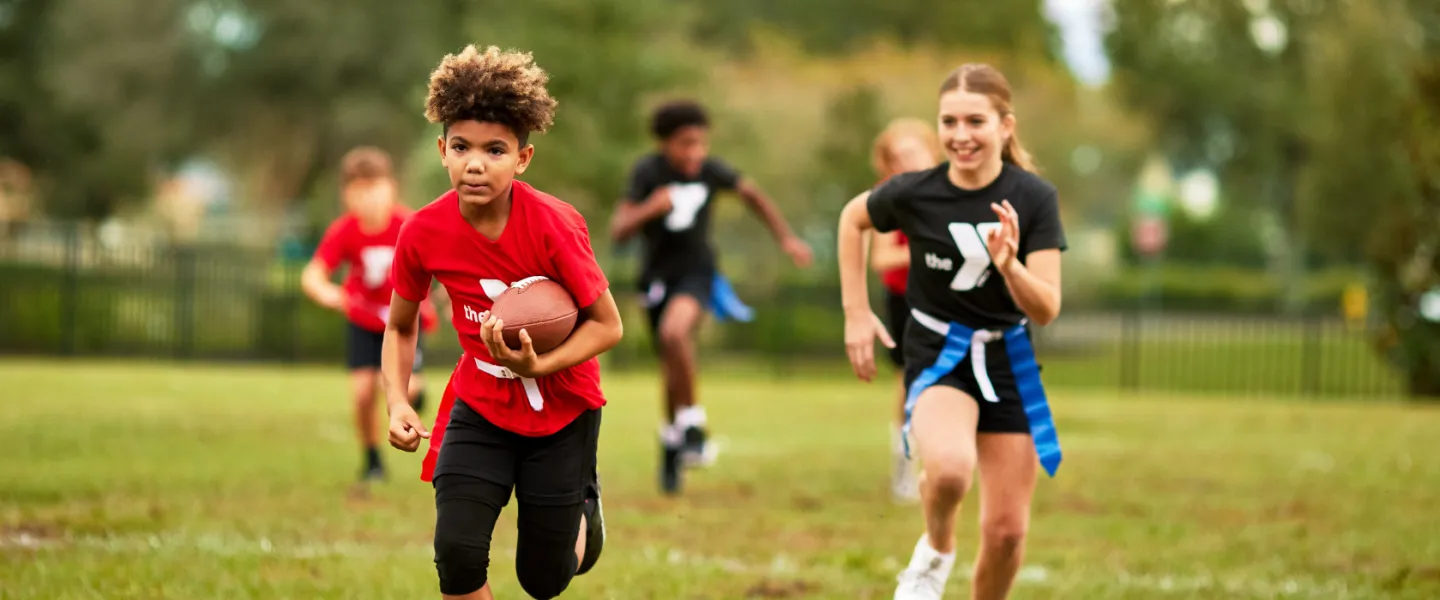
column 493, row 86
column 670, row 117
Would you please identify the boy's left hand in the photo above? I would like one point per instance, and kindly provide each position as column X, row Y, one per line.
column 798, row 250
column 523, row 362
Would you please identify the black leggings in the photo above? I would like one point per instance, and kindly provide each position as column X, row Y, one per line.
column 478, row 466
column 466, row 509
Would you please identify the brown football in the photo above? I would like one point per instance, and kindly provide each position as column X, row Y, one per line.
column 539, row 306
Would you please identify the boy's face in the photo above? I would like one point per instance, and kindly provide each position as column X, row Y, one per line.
column 369, row 198
column 686, row 149
column 482, row 159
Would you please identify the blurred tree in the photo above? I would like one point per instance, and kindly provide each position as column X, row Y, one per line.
column 606, row 59
column 290, row 86
column 1372, row 188
column 88, row 105
column 1224, row 81
column 832, row 26
column 852, row 120
column 1287, row 101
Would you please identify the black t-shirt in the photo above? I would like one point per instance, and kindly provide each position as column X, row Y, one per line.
column 951, row 277
column 678, row 244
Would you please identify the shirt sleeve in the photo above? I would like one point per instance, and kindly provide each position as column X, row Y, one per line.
column 412, row 280
column 575, row 262
column 883, row 206
column 1044, row 232
column 721, row 174
column 332, row 249
column 642, row 182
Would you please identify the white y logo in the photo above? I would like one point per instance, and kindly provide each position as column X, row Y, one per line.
column 686, row 199
column 970, row 240
column 375, row 261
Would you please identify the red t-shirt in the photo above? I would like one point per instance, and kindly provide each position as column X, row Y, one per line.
column 894, row 279
column 368, row 284
column 543, row 237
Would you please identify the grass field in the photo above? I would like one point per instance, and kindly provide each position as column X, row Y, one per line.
column 130, row 480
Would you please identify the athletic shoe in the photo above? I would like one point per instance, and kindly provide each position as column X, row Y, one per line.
column 670, row 466
column 698, row 451
column 925, row 578
column 594, row 528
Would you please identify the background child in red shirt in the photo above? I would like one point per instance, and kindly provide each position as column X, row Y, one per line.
column 363, row 240
column 905, row 145
column 523, row 422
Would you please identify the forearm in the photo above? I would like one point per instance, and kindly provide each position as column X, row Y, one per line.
column 397, row 359
column 1037, row 298
column 762, row 206
column 629, row 218
column 590, row 339
column 854, row 224
column 315, row 283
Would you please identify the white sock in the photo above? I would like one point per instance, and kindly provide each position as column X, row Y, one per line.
column 671, row 435
column 925, row 554
column 690, row 416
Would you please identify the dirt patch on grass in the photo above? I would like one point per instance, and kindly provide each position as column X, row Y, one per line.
column 781, row 589
column 29, row 536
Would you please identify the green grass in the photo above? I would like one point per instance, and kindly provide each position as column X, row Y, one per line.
column 132, row 480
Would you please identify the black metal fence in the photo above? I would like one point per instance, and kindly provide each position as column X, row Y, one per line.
column 66, row 293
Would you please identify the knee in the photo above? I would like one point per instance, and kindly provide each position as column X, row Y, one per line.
column 462, row 561
column 1004, row 533
column 673, row 337
column 948, row 478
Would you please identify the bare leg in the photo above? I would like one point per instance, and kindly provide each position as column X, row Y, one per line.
column 944, row 428
column 677, row 352
column 363, row 388
column 1007, row 476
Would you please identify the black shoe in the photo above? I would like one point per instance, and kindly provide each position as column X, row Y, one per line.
column 594, row 529
column 373, row 473
column 670, row 466
column 695, row 451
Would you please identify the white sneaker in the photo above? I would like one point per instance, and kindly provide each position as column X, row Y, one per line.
column 925, row 578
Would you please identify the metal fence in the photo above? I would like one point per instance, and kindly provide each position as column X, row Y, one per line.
column 68, row 293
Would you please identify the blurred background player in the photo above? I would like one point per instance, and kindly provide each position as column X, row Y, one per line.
column 524, row 422
column 363, row 240
column 905, row 145
column 990, row 232
column 668, row 203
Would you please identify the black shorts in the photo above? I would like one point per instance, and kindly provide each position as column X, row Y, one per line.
column 478, row 467
column 1005, row 413
column 363, row 348
column 897, row 314
column 555, row 469
column 657, row 294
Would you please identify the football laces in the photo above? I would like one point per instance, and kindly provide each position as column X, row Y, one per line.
column 523, row 283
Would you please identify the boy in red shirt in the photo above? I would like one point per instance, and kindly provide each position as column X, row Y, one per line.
column 523, row 422
column 363, row 239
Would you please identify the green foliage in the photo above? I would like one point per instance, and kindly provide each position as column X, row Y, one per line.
column 1333, row 130
column 1223, row 290
column 607, row 60
column 832, row 26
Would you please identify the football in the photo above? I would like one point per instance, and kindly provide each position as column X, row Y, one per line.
column 541, row 307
